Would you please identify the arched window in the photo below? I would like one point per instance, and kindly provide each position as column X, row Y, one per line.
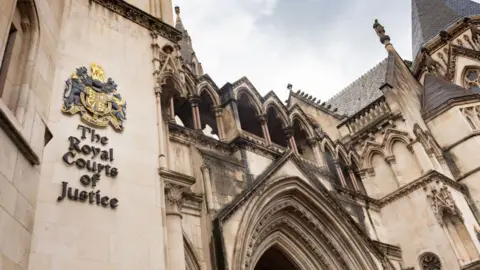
column 471, row 79
column 275, row 127
column 331, row 166
column 182, row 110
column 207, row 115
column 430, row 261
column 345, row 173
column 248, row 115
column 301, row 140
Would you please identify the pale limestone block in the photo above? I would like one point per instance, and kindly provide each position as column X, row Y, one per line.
column 94, row 245
column 7, row 264
column 37, row 138
column 142, row 195
column 8, row 195
column 26, row 179
column 48, row 212
column 16, row 243
column 8, row 156
column 44, row 235
column 124, row 252
column 66, row 241
column 24, row 213
column 40, row 262
column 157, row 258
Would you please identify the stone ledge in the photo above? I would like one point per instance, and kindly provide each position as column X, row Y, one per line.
column 15, row 132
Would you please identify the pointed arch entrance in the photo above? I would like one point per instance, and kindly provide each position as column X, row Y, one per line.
column 303, row 226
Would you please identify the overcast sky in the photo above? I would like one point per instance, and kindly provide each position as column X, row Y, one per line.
column 319, row 46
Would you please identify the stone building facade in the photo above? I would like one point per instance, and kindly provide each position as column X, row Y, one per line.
column 193, row 176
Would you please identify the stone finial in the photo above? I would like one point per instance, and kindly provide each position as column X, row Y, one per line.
column 384, row 38
column 289, row 87
column 177, row 10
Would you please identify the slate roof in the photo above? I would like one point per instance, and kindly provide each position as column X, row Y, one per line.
column 361, row 92
column 429, row 17
column 439, row 92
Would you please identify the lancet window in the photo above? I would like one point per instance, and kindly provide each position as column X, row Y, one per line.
column 249, row 115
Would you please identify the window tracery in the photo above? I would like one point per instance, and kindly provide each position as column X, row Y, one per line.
column 471, row 79
column 430, row 261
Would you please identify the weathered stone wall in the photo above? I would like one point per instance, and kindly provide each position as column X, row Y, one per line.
column 78, row 234
column 19, row 172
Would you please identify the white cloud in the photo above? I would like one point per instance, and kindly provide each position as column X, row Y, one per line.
column 242, row 38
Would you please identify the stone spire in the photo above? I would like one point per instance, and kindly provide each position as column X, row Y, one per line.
column 186, row 48
column 429, row 17
column 384, row 38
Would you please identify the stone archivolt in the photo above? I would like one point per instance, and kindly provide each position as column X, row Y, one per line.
column 290, row 208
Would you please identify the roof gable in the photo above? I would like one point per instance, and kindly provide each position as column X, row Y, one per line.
column 438, row 93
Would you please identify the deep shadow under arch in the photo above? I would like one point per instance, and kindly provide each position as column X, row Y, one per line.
column 274, row 259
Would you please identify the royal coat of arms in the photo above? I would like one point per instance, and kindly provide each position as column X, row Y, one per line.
column 97, row 100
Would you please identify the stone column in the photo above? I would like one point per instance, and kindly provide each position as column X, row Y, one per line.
column 355, row 181
column 263, row 122
column 208, row 187
column 446, row 169
column 291, row 140
column 393, row 165
column 340, row 173
column 162, row 158
column 174, row 196
column 319, row 157
column 172, row 110
column 194, row 101
column 218, row 116
column 422, row 157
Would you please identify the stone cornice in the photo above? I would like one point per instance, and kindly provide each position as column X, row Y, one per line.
column 177, row 178
column 389, row 250
column 429, row 177
column 141, row 18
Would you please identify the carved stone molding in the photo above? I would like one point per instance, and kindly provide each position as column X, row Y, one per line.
column 176, row 186
column 174, row 198
column 424, row 180
column 441, row 200
column 141, row 18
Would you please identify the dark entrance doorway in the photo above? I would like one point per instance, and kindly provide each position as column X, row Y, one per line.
column 274, row 259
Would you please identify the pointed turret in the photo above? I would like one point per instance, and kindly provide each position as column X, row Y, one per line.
column 429, row 17
column 186, row 48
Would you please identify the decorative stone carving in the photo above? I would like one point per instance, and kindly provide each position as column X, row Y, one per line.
column 441, row 200
column 174, row 197
column 432, row 65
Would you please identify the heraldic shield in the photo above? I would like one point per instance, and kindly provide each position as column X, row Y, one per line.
column 97, row 100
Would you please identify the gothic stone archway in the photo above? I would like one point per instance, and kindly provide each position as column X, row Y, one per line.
column 306, row 225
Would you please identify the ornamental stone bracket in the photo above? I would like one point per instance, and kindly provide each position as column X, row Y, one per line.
column 441, row 201
column 177, row 187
